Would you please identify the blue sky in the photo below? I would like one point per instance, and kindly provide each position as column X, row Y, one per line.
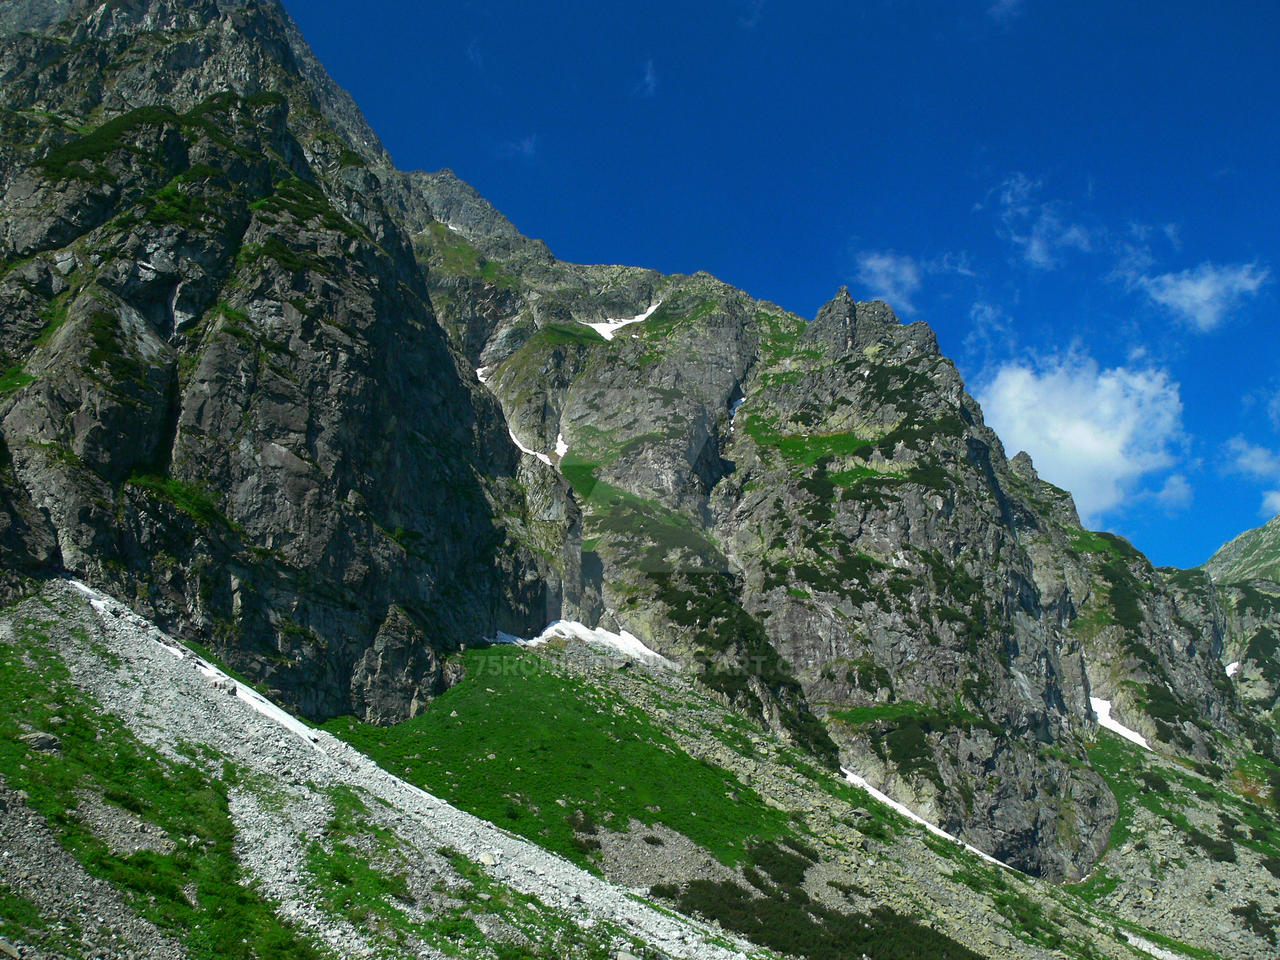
column 1081, row 198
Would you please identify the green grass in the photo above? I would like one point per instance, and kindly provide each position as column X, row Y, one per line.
column 676, row 311
column 83, row 157
column 656, row 531
column 803, row 450
column 180, row 800
column 22, row 921
column 13, row 380
column 450, row 253
column 190, row 498
column 525, row 738
column 305, row 202
column 1119, row 761
column 779, row 914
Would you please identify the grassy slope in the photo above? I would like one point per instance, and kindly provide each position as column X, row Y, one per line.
column 180, row 800
column 516, row 737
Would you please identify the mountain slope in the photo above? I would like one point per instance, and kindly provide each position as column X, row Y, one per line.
column 273, row 394
column 815, row 515
column 226, row 392
column 1254, row 555
column 224, row 825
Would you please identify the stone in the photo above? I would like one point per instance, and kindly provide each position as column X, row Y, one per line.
column 43, row 742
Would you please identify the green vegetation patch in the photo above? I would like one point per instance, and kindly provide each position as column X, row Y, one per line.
column 13, row 380
column 732, row 648
column 676, row 310
column 83, row 158
column 555, row 758
column 22, row 921
column 359, row 872
column 306, row 203
column 449, row 253
column 193, row 500
column 1088, row 541
column 780, row 915
column 643, row 526
column 227, row 917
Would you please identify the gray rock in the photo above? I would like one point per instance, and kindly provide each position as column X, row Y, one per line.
column 42, row 742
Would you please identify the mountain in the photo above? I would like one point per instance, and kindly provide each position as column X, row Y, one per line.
column 755, row 485
column 339, row 428
column 1254, row 555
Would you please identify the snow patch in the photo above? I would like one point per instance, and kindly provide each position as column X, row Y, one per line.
column 523, row 449
column 608, row 328
column 484, row 373
column 733, row 411
column 1103, row 709
column 624, row 643
column 562, row 447
column 1233, row 668
column 106, row 607
column 1146, row 946
column 910, row 814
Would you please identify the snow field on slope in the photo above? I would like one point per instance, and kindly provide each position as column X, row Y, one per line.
column 1103, row 709
column 608, row 328
column 911, row 815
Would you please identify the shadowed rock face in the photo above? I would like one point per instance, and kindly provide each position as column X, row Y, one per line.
column 238, row 358
column 234, row 401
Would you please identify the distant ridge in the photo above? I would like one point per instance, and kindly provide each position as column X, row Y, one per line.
column 1253, row 555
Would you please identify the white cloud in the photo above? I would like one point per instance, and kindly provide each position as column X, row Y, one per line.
column 1203, row 295
column 1095, row 432
column 1252, row 460
column 1039, row 229
column 897, row 277
column 1257, row 463
column 1176, row 493
column 990, row 329
column 892, row 277
column 648, row 85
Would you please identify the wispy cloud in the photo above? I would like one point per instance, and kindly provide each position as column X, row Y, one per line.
column 1096, row 432
column 1176, row 494
column 1257, row 463
column 526, row 147
column 1039, row 229
column 1273, row 411
column 897, row 277
column 892, row 277
column 990, row 329
column 474, row 55
column 1252, row 460
column 1002, row 11
column 751, row 18
column 648, row 85
column 1203, row 295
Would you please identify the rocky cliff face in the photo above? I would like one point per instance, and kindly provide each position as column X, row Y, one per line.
column 226, row 393
column 816, row 517
column 264, row 386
